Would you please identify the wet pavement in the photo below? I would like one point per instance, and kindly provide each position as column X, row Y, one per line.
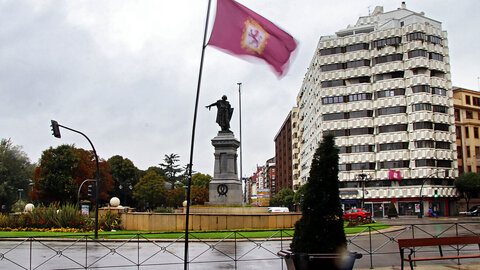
column 379, row 249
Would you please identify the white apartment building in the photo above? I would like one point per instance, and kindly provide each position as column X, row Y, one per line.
column 383, row 88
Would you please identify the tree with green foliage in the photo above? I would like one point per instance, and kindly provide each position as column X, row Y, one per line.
column 150, row 191
column 201, row 180
column 298, row 196
column 171, row 167
column 16, row 173
column 54, row 177
column 320, row 230
column 283, row 198
column 63, row 169
column 468, row 184
column 126, row 176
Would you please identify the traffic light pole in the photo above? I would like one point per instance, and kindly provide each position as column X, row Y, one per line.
column 80, row 188
column 56, row 132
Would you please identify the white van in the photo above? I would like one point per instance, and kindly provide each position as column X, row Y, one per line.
column 277, row 209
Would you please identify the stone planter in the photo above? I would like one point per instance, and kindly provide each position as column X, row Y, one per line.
column 311, row 261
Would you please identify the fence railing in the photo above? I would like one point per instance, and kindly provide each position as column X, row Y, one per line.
column 252, row 249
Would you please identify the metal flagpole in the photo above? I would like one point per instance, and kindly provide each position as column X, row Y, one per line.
column 190, row 164
column 241, row 141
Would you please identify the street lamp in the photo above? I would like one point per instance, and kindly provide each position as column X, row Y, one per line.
column 20, row 190
column 420, row 215
column 127, row 185
column 363, row 177
column 56, row 133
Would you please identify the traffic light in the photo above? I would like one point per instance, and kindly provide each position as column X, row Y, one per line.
column 55, row 129
column 435, row 195
column 91, row 191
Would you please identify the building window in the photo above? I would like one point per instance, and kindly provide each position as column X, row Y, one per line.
column 444, row 163
column 458, row 132
column 476, row 101
column 440, row 109
column 424, row 144
column 425, row 163
column 459, row 152
column 468, row 151
column 330, row 51
column 469, row 169
column 439, row 91
column 334, row 116
column 469, row 114
column 357, row 47
column 388, row 58
column 442, row 127
column 394, row 164
column 360, row 131
column 422, row 107
column 332, row 100
column 361, row 96
column 477, row 152
column 360, row 114
column 457, row 115
column 333, row 83
column 422, row 125
column 392, row 128
column 436, row 56
column 475, row 132
column 466, row 133
column 467, row 99
column 331, row 67
column 442, row 145
column 392, row 41
column 421, row 88
column 392, row 146
column 416, row 36
column 390, row 93
column 434, row 39
column 390, row 110
column 417, row 53
column 358, row 63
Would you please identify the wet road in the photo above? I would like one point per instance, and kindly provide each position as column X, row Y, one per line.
column 379, row 249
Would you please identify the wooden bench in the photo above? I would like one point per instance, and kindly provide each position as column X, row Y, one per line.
column 441, row 241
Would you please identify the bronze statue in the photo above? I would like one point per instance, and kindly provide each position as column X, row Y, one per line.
column 224, row 113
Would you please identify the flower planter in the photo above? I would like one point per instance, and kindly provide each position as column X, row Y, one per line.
column 311, row 261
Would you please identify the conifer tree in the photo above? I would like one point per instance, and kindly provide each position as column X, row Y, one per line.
column 320, row 230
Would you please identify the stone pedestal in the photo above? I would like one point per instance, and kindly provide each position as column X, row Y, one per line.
column 225, row 187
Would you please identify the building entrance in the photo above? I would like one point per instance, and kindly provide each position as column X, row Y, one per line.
column 378, row 209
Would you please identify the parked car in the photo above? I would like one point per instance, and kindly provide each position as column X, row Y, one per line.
column 473, row 211
column 356, row 213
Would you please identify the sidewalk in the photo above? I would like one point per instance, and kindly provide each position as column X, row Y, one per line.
column 429, row 267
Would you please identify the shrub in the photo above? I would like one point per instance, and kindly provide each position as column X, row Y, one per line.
column 109, row 221
column 67, row 216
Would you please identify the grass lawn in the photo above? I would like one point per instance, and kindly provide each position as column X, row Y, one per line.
column 175, row 235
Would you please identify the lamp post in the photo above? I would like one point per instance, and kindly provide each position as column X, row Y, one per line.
column 420, row 215
column 362, row 177
column 20, row 190
column 56, row 133
column 127, row 185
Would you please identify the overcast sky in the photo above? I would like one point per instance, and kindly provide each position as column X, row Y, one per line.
column 125, row 72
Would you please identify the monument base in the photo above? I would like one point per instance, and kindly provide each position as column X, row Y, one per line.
column 225, row 187
column 233, row 195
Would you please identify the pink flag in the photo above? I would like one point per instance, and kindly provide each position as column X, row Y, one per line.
column 394, row 175
column 242, row 32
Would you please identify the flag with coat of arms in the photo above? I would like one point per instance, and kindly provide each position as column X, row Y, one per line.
column 240, row 31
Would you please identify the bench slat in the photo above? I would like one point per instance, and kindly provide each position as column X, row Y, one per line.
column 442, row 258
column 441, row 241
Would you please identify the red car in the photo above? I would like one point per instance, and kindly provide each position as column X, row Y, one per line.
column 356, row 213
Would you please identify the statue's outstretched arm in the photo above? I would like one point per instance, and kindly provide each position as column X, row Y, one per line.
column 209, row 106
